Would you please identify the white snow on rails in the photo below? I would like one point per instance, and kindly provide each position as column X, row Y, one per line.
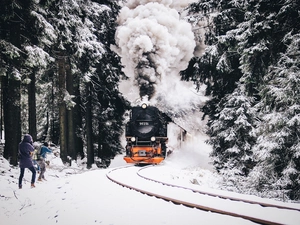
column 151, row 174
column 138, row 179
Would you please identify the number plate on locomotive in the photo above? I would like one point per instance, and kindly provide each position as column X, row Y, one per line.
column 142, row 153
column 144, row 123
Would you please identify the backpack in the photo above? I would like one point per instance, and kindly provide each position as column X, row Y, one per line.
column 38, row 152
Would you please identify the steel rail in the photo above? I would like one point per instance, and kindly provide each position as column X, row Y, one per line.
column 264, row 204
column 186, row 203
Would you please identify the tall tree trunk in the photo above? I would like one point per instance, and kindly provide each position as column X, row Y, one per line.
column 1, row 109
column 32, row 106
column 78, row 121
column 104, row 152
column 70, row 114
column 12, row 119
column 53, row 116
column 89, row 128
column 62, row 108
column 11, row 103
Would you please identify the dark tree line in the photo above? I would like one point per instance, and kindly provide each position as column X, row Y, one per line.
column 251, row 70
column 59, row 78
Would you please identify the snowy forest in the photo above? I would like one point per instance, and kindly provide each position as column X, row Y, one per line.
column 60, row 74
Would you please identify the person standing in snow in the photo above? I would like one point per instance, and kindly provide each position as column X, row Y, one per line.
column 42, row 163
column 35, row 159
column 26, row 150
column 44, row 150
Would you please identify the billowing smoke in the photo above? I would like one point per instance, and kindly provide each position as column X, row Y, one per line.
column 176, row 4
column 155, row 44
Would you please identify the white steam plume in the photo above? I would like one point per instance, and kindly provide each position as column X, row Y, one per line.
column 177, row 4
column 155, row 45
column 153, row 42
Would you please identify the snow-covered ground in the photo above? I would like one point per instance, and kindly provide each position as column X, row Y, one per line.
column 75, row 195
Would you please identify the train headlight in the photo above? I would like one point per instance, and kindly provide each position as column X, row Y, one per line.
column 144, row 106
column 132, row 139
column 152, row 139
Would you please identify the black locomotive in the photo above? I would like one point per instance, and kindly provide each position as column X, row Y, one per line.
column 146, row 135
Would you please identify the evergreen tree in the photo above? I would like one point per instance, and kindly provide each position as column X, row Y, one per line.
column 15, row 34
column 229, row 109
column 85, row 30
column 77, row 50
column 41, row 63
column 233, row 138
column 108, row 100
column 70, row 38
column 232, row 135
column 277, row 151
column 113, row 106
column 256, row 36
column 261, row 52
column 257, row 45
column 218, row 67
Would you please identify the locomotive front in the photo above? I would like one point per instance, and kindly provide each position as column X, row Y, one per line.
column 146, row 135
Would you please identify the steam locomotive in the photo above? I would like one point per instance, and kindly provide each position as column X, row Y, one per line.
column 146, row 135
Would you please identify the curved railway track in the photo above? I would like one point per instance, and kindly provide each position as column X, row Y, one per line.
column 258, row 212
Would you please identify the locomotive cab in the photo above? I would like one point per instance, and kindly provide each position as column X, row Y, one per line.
column 146, row 135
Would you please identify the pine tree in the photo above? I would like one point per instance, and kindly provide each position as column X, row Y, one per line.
column 260, row 38
column 40, row 65
column 277, row 150
column 257, row 45
column 109, row 100
column 261, row 52
column 15, row 35
column 85, row 30
column 77, row 34
column 218, row 67
column 232, row 135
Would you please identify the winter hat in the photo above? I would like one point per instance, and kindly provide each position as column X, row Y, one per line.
column 27, row 138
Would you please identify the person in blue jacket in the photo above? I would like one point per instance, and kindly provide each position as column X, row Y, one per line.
column 26, row 150
column 44, row 150
column 42, row 163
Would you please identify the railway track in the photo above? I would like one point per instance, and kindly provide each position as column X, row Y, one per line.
column 255, row 211
column 224, row 196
